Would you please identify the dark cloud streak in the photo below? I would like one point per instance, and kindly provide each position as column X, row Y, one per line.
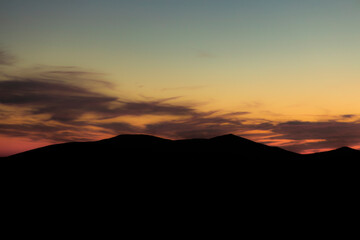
column 334, row 133
column 55, row 94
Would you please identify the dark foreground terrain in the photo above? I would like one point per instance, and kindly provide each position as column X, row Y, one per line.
column 125, row 148
column 140, row 175
column 135, row 162
column 153, row 154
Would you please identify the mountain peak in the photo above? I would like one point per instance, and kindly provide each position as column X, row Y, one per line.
column 143, row 146
column 345, row 149
column 232, row 139
column 227, row 136
column 134, row 139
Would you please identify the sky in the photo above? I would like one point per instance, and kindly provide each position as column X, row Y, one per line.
column 282, row 72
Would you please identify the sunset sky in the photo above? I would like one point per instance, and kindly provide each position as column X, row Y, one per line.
column 280, row 72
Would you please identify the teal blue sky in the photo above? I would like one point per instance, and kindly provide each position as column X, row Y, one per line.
column 170, row 44
column 69, row 31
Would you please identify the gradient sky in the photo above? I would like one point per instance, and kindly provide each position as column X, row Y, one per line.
column 282, row 72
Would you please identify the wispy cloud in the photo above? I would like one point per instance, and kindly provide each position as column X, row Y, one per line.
column 6, row 58
column 333, row 133
column 348, row 116
column 63, row 98
column 62, row 101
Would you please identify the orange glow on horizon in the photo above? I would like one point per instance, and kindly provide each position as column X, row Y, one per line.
column 310, row 151
column 12, row 145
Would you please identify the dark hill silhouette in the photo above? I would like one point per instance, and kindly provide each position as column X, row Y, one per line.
column 343, row 153
column 141, row 147
column 147, row 147
column 141, row 172
column 148, row 157
column 144, row 155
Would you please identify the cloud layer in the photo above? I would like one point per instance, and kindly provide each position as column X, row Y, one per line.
column 67, row 104
column 6, row 58
column 61, row 103
column 334, row 134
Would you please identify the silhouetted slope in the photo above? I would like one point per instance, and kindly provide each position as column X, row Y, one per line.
column 140, row 147
column 143, row 166
column 138, row 162
column 235, row 148
column 343, row 153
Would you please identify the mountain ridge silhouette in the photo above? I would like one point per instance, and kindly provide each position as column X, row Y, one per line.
column 141, row 145
column 144, row 166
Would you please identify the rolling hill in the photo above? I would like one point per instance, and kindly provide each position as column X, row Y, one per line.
column 141, row 147
column 148, row 147
column 143, row 164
